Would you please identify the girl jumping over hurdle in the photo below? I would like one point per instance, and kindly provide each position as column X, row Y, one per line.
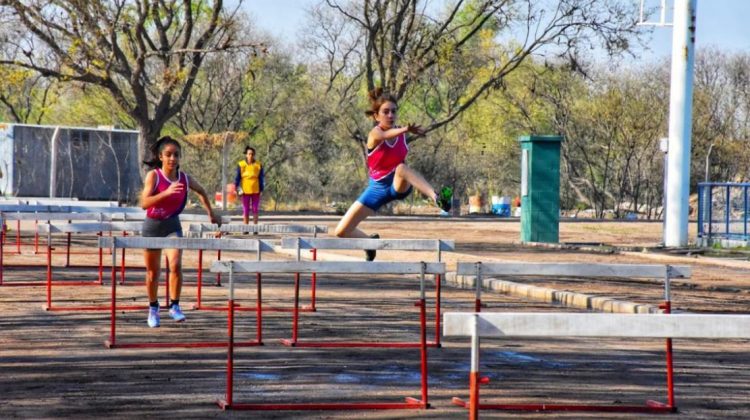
column 390, row 177
column 164, row 196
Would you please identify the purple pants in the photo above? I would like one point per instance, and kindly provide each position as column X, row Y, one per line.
column 247, row 201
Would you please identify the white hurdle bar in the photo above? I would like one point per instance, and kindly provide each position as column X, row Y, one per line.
column 505, row 325
column 46, row 217
column 114, row 243
column 200, row 230
column 315, row 244
column 99, row 228
column 337, row 267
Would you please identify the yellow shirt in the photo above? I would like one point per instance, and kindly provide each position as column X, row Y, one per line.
column 250, row 174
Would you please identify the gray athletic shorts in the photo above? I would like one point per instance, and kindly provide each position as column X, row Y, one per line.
column 155, row 228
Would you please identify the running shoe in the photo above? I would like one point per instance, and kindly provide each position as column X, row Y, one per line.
column 444, row 199
column 153, row 316
column 176, row 313
column 370, row 253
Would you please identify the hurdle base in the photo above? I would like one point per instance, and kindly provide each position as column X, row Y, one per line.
column 409, row 404
column 95, row 308
column 650, row 407
column 201, row 344
column 322, row 344
column 239, row 308
column 43, row 283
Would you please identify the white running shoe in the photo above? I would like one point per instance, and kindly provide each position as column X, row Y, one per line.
column 153, row 316
column 176, row 313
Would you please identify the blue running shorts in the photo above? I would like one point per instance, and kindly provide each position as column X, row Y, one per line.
column 381, row 192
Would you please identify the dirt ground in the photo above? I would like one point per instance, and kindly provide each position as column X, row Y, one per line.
column 53, row 364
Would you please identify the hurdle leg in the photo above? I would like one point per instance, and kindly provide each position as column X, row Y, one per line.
column 667, row 306
column 478, row 280
column 423, row 348
column 313, row 280
column 2, row 243
column 295, row 310
column 166, row 280
column 218, row 275
column 199, row 281
column 18, row 236
column 259, row 308
column 101, row 262
column 112, row 309
column 49, row 272
column 67, row 249
column 438, row 280
column 122, row 263
column 36, row 236
column 474, row 375
column 230, row 355
column 227, row 402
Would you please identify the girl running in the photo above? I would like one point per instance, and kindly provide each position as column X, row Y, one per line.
column 164, row 195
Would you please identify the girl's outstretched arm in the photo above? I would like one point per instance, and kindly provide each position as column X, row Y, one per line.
column 378, row 135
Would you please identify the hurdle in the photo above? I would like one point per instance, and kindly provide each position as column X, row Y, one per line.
column 338, row 267
column 97, row 228
column 37, row 217
column 201, row 229
column 666, row 272
column 64, row 207
column 114, row 243
column 436, row 245
column 506, row 325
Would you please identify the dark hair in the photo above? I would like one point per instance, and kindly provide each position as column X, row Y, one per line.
column 249, row 148
column 377, row 98
column 156, row 149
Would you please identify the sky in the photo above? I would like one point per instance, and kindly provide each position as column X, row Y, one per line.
column 720, row 23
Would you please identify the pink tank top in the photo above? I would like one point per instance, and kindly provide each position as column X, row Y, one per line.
column 384, row 159
column 172, row 205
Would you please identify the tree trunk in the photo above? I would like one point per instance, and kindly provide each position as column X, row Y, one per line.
column 146, row 139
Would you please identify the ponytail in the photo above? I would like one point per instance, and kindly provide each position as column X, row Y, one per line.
column 156, row 149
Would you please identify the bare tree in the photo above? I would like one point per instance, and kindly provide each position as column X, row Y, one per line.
column 145, row 53
column 405, row 44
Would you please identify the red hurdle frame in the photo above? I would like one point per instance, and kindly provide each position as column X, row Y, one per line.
column 650, row 406
column 410, row 403
column 112, row 342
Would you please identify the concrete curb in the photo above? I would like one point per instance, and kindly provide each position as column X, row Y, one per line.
column 536, row 293
column 558, row 297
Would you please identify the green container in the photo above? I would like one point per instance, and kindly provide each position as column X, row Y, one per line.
column 540, row 188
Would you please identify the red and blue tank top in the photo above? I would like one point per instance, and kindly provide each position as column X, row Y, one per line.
column 386, row 156
column 172, row 205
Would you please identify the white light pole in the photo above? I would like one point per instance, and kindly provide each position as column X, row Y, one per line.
column 680, row 123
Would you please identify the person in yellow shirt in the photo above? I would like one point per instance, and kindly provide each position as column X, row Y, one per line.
column 249, row 182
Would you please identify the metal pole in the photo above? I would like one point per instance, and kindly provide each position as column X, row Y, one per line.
column 224, row 172
column 708, row 162
column 230, row 344
column 670, row 363
column 478, row 296
column 474, row 374
column 423, row 334
column 680, row 122
column 53, row 162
